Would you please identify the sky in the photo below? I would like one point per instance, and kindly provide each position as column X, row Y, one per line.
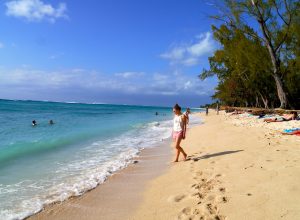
column 143, row 52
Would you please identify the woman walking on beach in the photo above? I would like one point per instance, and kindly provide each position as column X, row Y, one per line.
column 179, row 130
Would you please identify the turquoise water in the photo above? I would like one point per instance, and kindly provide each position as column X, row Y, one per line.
column 88, row 142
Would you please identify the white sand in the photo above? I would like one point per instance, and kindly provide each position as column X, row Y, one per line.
column 236, row 172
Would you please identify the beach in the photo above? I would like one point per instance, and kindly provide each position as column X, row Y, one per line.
column 238, row 168
column 237, row 171
column 150, row 110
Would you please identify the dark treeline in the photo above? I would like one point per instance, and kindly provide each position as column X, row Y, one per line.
column 258, row 63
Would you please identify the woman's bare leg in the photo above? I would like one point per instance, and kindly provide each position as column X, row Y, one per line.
column 179, row 149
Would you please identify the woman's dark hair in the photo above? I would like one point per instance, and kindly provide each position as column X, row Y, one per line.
column 177, row 107
column 295, row 114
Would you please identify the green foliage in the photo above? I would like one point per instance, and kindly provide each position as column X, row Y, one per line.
column 243, row 64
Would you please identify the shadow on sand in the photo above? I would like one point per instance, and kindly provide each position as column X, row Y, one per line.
column 213, row 155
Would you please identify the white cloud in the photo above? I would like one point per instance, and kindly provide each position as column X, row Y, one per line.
column 1, row 45
column 204, row 46
column 130, row 74
column 176, row 53
column 190, row 61
column 84, row 85
column 175, row 83
column 190, row 54
column 35, row 10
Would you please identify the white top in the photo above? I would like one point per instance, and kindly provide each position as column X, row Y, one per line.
column 177, row 123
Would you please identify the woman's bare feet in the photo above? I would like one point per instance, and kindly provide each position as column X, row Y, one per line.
column 185, row 156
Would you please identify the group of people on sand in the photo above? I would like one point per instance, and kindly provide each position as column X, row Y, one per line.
column 34, row 122
column 284, row 117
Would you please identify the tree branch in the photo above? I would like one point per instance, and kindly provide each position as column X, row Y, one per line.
column 278, row 12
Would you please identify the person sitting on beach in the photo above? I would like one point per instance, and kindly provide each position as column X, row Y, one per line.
column 186, row 114
column 285, row 117
column 237, row 112
column 51, row 122
column 179, row 130
column 34, row 123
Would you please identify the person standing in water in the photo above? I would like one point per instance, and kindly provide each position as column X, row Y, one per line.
column 179, row 130
column 186, row 114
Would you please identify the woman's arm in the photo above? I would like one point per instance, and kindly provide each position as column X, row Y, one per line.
column 184, row 120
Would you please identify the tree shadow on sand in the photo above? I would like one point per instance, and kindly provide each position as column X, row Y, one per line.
column 213, row 155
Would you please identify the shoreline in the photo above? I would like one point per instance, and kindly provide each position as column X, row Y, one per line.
column 238, row 168
column 107, row 199
column 149, row 164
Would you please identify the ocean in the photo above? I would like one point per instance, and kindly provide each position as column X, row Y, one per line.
column 86, row 144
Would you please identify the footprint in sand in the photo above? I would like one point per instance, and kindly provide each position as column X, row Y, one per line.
column 211, row 198
column 192, row 213
column 194, row 185
column 224, row 199
column 212, row 208
column 197, row 174
column 177, row 198
column 198, row 195
column 222, row 189
column 220, row 217
column 185, row 213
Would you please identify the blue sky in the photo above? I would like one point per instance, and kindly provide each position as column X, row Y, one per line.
column 145, row 52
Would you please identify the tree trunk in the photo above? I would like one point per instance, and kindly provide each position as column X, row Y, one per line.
column 265, row 100
column 275, row 58
column 280, row 91
column 256, row 102
column 276, row 69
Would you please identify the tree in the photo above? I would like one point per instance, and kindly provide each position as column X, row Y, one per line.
column 275, row 19
column 243, row 69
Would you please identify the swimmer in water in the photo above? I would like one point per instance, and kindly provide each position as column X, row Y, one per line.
column 51, row 122
column 34, row 123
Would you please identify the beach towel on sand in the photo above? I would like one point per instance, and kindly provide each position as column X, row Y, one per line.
column 295, row 131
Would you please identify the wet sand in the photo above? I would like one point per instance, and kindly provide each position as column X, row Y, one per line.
column 116, row 198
